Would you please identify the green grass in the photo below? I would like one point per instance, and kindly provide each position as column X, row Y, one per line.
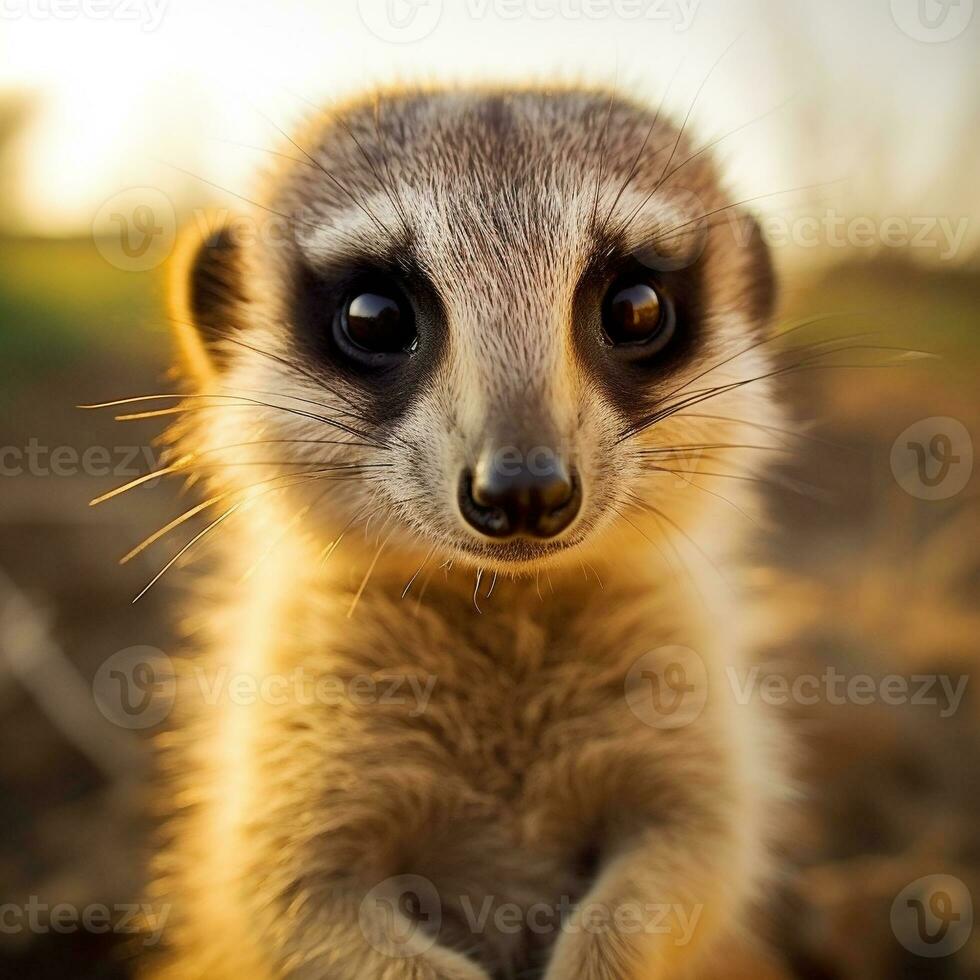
column 61, row 301
column 929, row 309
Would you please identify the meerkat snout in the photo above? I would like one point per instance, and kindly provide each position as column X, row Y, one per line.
column 535, row 493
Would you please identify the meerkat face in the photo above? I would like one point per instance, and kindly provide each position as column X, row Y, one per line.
column 505, row 325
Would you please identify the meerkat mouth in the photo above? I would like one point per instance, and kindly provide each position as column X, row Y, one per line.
column 518, row 553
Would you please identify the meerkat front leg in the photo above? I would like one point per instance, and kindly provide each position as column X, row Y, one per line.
column 682, row 849
column 357, row 940
column 653, row 911
column 438, row 963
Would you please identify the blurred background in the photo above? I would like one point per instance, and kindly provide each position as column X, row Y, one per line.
column 852, row 129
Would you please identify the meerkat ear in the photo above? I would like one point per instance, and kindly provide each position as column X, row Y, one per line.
column 208, row 299
column 759, row 285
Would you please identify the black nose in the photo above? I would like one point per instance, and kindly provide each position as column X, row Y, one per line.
column 534, row 494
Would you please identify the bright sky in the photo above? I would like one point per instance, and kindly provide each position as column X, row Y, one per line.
column 125, row 88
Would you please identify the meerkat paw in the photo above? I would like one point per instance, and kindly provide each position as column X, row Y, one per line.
column 445, row 964
column 591, row 958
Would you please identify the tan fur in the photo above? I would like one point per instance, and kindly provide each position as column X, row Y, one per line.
column 527, row 758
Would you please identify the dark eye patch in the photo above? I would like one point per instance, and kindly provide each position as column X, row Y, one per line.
column 633, row 375
column 321, row 299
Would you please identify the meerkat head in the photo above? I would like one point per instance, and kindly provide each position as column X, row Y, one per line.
column 504, row 324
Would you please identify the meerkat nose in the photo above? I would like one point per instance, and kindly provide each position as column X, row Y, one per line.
column 510, row 493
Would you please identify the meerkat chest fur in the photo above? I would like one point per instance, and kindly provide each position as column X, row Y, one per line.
column 461, row 416
column 488, row 762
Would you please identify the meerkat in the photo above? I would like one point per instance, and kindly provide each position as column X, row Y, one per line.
column 462, row 426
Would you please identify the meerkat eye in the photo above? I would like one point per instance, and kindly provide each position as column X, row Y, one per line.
column 637, row 314
column 374, row 323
